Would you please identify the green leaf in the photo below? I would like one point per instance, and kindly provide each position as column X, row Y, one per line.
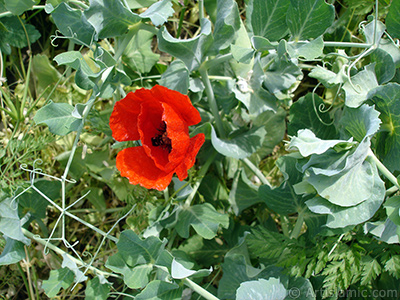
column 176, row 77
column 58, row 116
column 138, row 54
column 71, row 265
column 190, row 51
column 392, row 19
column 73, row 24
column 178, row 271
column 384, row 65
column 240, row 146
column 14, row 34
column 31, row 201
column 392, row 206
column 340, row 217
column 383, row 231
column 388, row 140
column 308, row 19
column 268, row 18
column 110, row 18
column 307, row 143
column 362, row 83
column 243, row 193
column 138, row 251
column 160, row 290
column 308, row 50
column 17, row 7
column 46, row 75
column 95, row 290
column 135, row 4
column 60, row 278
column 371, row 269
column 261, row 289
column 204, row 219
column 328, row 78
column 306, row 113
column 227, row 24
column 159, row 12
column 392, row 266
column 12, row 253
column 10, row 223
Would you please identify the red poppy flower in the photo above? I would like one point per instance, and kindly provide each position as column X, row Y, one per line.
column 160, row 119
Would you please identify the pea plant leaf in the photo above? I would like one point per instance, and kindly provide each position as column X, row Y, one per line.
column 159, row 12
column 204, row 219
column 309, row 19
column 12, row 253
column 190, row 51
column 227, row 24
column 392, row 20
column 268, row 18
column 161, row 290
column 388, row 140
column 60, row 278
column 58, row 116
column 261, row 289
column 17, row 7
column 10, row 223
column 240, row 146
column 179, row 271
column 73, row 24
column 176, row 77
column 96, row 290
column 110, row 18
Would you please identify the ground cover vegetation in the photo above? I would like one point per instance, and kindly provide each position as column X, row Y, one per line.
column 280, row 119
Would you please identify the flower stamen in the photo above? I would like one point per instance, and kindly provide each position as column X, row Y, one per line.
column 162, row 140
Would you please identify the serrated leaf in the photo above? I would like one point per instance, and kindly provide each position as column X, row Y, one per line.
column 392, row 21
column 110, row 18
column 227, row 24
column 160, row 290
column 190, row 51
column 392, row 266
column 371, row 269
column 240, row 146
column 95, row 290
column 10, row 223
column 204, row 219
column 308, row 19
column 159, row 12
column 305, row 113
column 268, row 18
column 73, row 24
column 58, row 116
column 388, row 141
column 362, row 83
column 61, row 278
column 261, row 289
column 12, row 253
column 138, row 54
column 17, row 7
column 176, row 77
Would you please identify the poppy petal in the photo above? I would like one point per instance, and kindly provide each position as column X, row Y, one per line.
column 139, row 168
column 190, row 158
column 123, row 120
column 181, row 104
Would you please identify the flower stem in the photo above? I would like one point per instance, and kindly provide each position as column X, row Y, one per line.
column 199, row 290
column 211, row 100
column 256, row 171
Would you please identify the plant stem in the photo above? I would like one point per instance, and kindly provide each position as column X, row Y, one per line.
column 201, row 9
column 256, row 171
column 211, row 101
column 25, row 281
column 199, row 290
column 297, row 227
column 61, row 252
column 383, row 169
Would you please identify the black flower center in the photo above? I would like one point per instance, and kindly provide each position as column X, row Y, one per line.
column 161, row 139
